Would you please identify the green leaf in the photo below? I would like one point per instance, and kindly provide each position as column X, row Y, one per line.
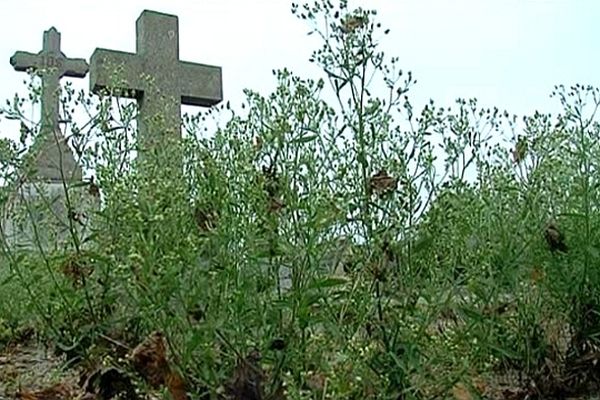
column 422, row 244
column 327, row 283
column 309, row 301
column 360, row 157
column 505, row 352
column 305, row 139
column 572, row 215
column 79, row 184
column 7, row 280
column 593, row 252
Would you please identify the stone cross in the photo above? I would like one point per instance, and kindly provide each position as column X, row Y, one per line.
column 156, row 78
column 51, row 64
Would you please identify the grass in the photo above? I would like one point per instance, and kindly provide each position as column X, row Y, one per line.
column 415, row 245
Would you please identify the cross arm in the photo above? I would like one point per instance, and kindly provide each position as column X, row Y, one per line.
column 110, row 69
column 200, row 85
column 75, row 68
column 22, row 60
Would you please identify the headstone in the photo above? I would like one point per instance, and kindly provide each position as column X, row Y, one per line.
column 36, row 215
column 54, row 159
column 156, row 78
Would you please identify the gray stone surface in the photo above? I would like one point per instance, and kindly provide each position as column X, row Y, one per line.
column 54, row 158
column 156, row 78
column 37, row 217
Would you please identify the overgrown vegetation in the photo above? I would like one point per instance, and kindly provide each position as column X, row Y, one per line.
column 352, row 249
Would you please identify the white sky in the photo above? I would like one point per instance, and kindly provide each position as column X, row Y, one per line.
column 507, row 53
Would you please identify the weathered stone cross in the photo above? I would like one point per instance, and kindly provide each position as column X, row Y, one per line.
column 51, row 64
column 156, row 78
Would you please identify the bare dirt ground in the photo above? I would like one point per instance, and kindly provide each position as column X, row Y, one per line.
column 32, row 367
column 30, row 371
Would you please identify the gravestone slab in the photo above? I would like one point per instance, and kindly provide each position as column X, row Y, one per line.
column 155, row 77
column 54, row 159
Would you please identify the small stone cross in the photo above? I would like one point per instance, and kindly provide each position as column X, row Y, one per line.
column 156, row 78
column 51, row 64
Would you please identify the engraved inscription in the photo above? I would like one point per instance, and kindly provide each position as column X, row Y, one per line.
column 51, row 62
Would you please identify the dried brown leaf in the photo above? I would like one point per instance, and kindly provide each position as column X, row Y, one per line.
column 316, row 381
column 461, row 392
column 177, row 387
column 381, row 183
column 59, row 391
column 353, row 22
column 248, row 378
column 275, row 205
column 205, row 218
column 93, row 188
column 77, row 269
column 555, row 238
column 520, row 150
column 149, row 359
column 257, row 143
column 108, row 383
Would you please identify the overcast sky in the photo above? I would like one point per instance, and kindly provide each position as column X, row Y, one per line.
column 507, row 53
